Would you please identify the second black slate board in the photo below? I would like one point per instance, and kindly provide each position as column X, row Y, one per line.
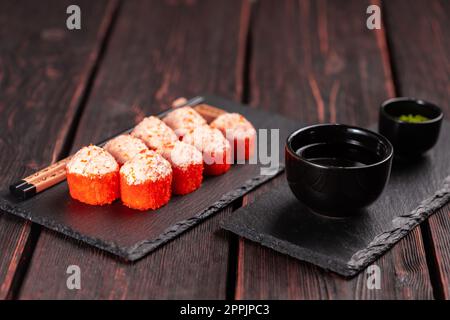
column 346, row 246
column 132, row 234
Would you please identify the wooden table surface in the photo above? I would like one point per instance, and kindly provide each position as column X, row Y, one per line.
column 311, row 60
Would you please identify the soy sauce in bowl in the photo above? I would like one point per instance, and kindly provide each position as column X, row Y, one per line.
column 339, row 155
column 337, row 170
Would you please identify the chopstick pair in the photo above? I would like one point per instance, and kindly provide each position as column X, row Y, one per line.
column 56, row 172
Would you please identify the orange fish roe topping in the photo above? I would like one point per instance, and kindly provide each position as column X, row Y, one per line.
column 155, row 133
column 208, row 140
column 234, row 126
column 146, row 166
column 184, row 120
column 182, row 155
column 92, row 160
column 125, row 147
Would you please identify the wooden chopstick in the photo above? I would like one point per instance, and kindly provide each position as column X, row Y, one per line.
column 55, row 173
column 40, row 180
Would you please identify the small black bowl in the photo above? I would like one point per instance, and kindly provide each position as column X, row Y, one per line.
column 337, row 170
column 410, row 140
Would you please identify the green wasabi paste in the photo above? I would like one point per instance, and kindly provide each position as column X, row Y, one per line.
column 412, row 118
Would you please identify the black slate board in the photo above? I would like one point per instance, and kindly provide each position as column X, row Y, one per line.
column 132, row 234
column 346, row 246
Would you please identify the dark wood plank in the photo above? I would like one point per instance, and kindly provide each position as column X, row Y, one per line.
column 191, row 266
column 159, row 50
column 44, row 69
column 282, row 277
column 420, row 45
column 325, row 66
column 438, row 230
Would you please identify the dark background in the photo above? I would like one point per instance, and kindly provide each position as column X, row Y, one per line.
column 314, row 61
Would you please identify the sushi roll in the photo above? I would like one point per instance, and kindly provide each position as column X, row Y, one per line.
column 187, row 167
column 146, row 181
column 239, row 132
column 185, row 159
column 154, row 133
column 93, row 176
column 124, row 148
column 215, row 149
column 184, row 120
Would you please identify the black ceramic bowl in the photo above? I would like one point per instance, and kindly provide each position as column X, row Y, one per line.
column 337, row 170
column 410, row 139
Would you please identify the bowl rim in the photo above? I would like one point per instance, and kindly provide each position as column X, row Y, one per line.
column 377, row 135
column 420, row 102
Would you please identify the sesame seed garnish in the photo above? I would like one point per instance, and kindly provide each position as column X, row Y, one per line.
column 146, row 166
column 92, row 160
